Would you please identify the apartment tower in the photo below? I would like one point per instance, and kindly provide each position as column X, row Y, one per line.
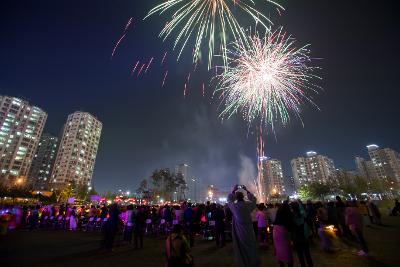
column 21, row 126
column 77, row 151
column 312, row 169
column 43, row 162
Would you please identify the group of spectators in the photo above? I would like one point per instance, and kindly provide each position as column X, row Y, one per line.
column 289, row 226
column 295, row 225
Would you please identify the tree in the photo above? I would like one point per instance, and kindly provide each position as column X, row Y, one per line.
column 53, row 198
column 92, row 192
column 166, row 183
column 319, row 190
column 305, row 193
column 109, row 195
column 180, row 186
column 3, row 191
column 344, row 184
column 142, row 187
column 360, row 186
column 82, row 191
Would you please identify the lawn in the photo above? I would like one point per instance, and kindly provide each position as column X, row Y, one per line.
column 62, row 248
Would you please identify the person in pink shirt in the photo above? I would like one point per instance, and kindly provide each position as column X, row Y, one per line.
column 354, row 221
column 262, row 224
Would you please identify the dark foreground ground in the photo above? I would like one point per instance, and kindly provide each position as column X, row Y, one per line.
column 61, row 248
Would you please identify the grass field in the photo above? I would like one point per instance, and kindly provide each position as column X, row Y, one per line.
column 62, row 248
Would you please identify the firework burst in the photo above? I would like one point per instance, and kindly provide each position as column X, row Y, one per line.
column 266, row 79
column 211, row 20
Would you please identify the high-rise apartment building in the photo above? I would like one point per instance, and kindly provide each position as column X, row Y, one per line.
column 313, row 168
column 21, row 126
column 272, row 182
column 43, row 162
column 77, row 150
column 194, row 187
column 365, row 168
column 385, row 163
column 183, row 170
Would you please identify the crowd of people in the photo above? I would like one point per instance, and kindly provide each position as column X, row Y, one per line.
column 289, row 226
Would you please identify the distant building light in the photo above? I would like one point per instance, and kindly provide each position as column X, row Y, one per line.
column 222, row 199
column 263, row 158
column 311, row 153
column 372, row 147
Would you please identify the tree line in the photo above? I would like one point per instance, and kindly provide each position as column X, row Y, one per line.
column 349, row 185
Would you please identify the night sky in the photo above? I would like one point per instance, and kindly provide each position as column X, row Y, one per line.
column 56, row 54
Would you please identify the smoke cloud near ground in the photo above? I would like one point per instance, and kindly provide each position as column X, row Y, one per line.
column 247, row 172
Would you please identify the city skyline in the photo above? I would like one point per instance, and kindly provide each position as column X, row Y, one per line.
column 58, row 57
column 304, row 170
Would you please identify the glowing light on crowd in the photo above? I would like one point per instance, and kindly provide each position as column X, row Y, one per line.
column 214, row 22
column 267, row 79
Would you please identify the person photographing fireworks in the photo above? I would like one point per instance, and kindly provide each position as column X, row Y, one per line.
column 244, row 239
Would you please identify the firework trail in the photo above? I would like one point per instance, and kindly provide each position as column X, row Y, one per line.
column 260, row 157
column 185, row 91
column 209, row 21
column 141, row 69
column 134, row 69
column 128, row 24
column 121, row 38
column 267, row 79
column 163, row 59
column 203, row 90
column 148, row 65
column 165, row 77
column 117, row 44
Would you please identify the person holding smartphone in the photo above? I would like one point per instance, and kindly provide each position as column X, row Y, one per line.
column 244, row 239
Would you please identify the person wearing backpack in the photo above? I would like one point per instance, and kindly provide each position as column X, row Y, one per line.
column 178, row 249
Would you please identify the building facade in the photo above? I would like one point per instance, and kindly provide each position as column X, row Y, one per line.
column 21, row 126
column 43, row 162
column 77, row 151
column 194, row 187
column 183, row 170
column 312, row 169
column 365, row 168
column 290, row 186
column 272, row 182
column 385, row 163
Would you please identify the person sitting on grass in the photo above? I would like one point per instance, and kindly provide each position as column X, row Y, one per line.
column 177, row 249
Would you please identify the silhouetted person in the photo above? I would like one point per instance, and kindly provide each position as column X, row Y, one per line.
column 218, row 215
column 300, row 236
column 138, row 227
column 111, row 227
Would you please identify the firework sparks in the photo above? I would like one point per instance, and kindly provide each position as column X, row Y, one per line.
column 267, row 79
column 117, row 44
column 185, row 91
column 148, row 65
column 163, row 59
column 211, row 20
column 134, row 69
column 128, row 24
column 165, row 78
column 141, row 69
